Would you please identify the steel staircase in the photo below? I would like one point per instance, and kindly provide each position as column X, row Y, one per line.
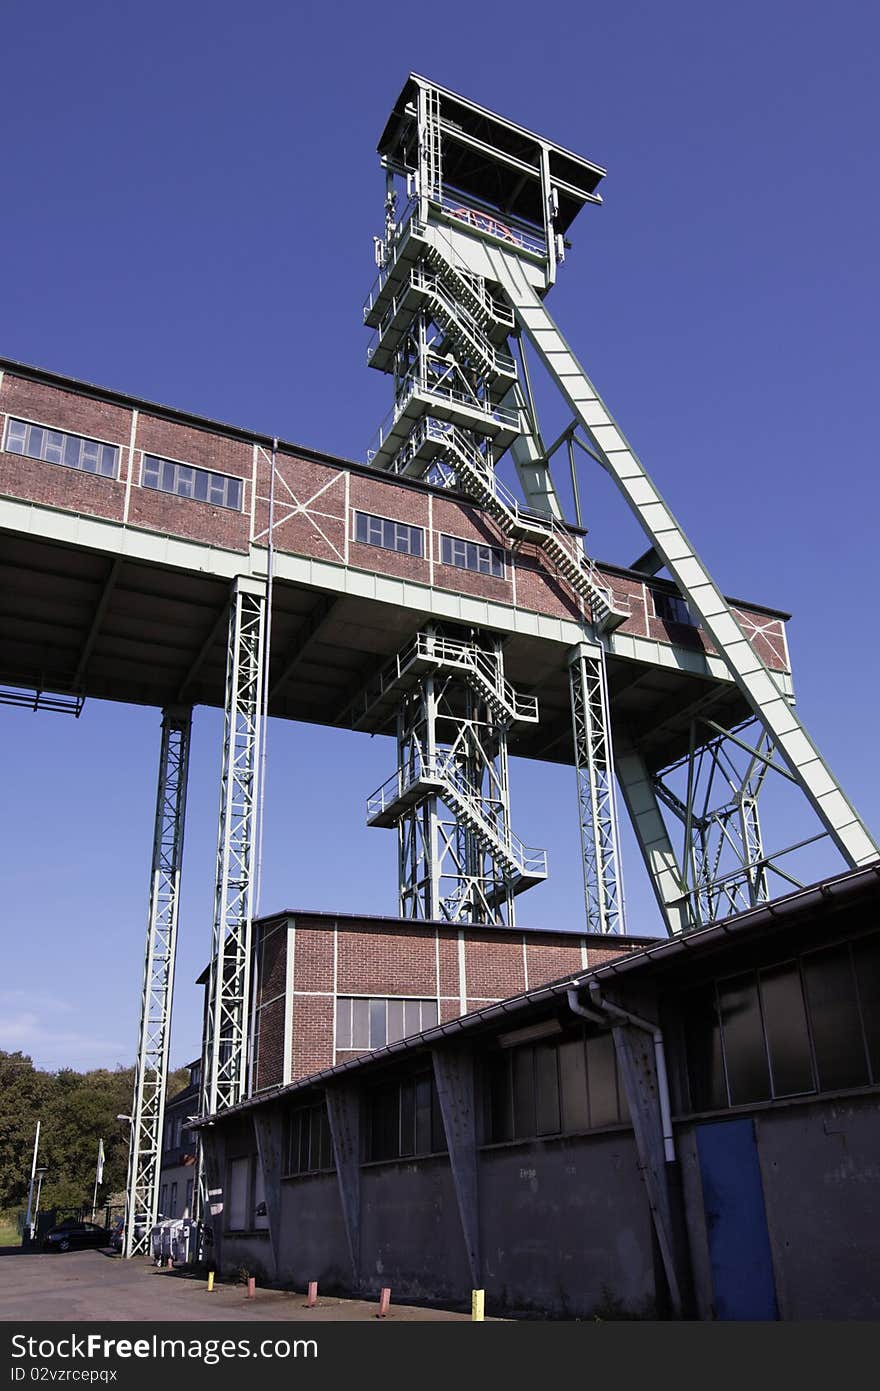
column 479, row 480
column 429, row 652
column 521, row 866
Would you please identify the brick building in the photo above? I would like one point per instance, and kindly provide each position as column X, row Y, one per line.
column 330, row 986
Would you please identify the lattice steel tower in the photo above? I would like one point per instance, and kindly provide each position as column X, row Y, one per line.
column 476, row 211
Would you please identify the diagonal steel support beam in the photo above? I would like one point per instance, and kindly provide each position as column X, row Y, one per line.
column 151, row 1067
column 305, row 634
column 97, row 619
column 665, row 534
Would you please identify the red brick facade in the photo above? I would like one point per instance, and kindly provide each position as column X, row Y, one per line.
column 316, row 501
column 326, row 956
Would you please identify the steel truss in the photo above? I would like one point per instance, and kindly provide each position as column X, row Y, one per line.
column 224, row 1063
column 597, row 803
column 151, row 1068
column 712, row 794
column 455, row 283
column 446, row 870
column 458, row 859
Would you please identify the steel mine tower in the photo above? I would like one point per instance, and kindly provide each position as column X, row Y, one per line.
column 154, row 557
column 476, row 211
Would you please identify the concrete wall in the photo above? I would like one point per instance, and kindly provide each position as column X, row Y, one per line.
column 566, row 1227
column 565, row 1231
column 820, row 1167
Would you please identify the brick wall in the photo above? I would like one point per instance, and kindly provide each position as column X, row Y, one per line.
column 315, row 503
column 376, row 958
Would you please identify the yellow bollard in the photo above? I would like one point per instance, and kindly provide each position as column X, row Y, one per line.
column 210, row 1281
column 478, row 1304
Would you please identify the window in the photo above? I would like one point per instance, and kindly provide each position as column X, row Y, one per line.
column 403, row 1119
column 363, row 1023
column 552, row 1088
column 672, row 608
column 238, row 1194
column 468, row 555
column 308, row 1143
column 57, row 447
column 390, row 535
column 163, row 1200
column 792, row 1029
column 172, row 1202
column 186, row 481
column 195, row 1075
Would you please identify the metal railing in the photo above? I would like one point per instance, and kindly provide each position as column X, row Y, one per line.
column 454, row 652
column 443, row 775
column 499, row 414
column 489, row 225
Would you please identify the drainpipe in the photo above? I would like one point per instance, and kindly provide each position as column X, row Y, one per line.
column 599, row 1015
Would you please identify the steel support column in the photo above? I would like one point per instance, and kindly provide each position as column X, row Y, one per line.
column 224, row 1069
column 151, row 1067
column 597, row 804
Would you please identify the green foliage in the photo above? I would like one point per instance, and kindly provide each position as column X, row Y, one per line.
column 75, row 1109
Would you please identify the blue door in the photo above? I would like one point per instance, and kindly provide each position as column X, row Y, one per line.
column 736, row 1221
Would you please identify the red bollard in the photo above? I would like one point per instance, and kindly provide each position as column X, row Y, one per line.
column 252, row 1285
column 313, row 1294
column 384, row 1301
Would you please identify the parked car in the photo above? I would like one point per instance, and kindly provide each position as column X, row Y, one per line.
column 117, row 1232
column 72, row 1235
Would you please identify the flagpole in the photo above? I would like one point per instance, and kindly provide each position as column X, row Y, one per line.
column 99, row 1174
column 33, row 1172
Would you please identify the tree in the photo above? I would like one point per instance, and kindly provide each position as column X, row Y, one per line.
column 76, row 1110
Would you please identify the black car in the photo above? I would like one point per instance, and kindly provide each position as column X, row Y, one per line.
column 72, row 1235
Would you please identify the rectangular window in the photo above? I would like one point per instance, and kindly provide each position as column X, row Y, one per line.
column 404, row 1119
column 163, row 1200
column 362, row 1023
column 469, row 555
column 672, row 608
column 866, row 958
column 552, row 1088
column 58, row 447
column 184, row 480
column 702, row 1037
column 785, row 1022
column 239, row 1192
column 172, row 1202
column 835, row 1019
column 309, row 1146
column 791, row 1029
column 390, row 535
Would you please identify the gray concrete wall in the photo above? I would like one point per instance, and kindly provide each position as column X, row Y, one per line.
column 312, row 1243
column 411, row 1237
column 566, row 1227
column 820, row 1166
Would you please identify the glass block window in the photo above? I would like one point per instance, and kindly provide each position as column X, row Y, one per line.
column 184, row 480
column 58, row 447
column 390, row 535
column 363, row 1023
column 469, row 555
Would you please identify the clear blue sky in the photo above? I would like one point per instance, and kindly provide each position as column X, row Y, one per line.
column 190, row 193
